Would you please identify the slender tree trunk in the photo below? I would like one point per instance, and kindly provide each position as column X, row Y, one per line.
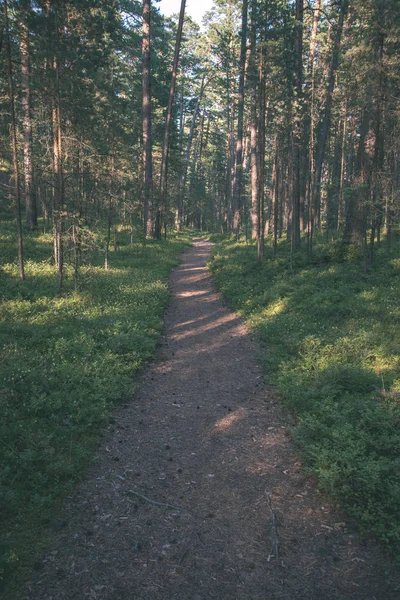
column 379, row 154
column 58, row 174
column 297, row 187
column 261, row 158
column 354, row 230
column 108, row 237
column 326, row 117
column 146, row 112
column 231, row 145
column 342, row 168
column 237, row 193
column 30, row 200
column 182, row 186
column 275, row 198
column 164, row 156
column 255, row 230
column 332, row 200
column 308, row 131
column 204, row 136
column 13, row 129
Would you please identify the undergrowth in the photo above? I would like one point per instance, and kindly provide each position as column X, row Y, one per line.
column 331, row 339
column 65, row 360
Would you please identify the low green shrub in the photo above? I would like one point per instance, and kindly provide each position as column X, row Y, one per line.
column 331, row 335
column 64, row 363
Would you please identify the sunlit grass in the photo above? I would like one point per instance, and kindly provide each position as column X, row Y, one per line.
column 65, row 360
column 331, row 335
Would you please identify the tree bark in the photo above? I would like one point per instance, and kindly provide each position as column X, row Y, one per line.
column 57, row 161
column 255, row 230
column 14, row 153
column 354, row 230
column 146, row 113
column 183, row 180
column 164, row 156
column 298, row 125
column 261, row 157
column 30, row 200
column 237, row 193
column 326, row 118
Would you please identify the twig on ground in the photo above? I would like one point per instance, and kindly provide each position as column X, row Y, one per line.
column 157, row 503
column 273, row 528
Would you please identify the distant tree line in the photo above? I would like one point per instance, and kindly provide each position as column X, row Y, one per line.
column 279, row 118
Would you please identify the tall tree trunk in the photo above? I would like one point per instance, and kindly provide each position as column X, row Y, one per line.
column 379, row 153
column 309, row 126
column 332, row 200
column 298, row 199
column 261, row 158
column 230, row 175
column 342, row 168
column 183, row 180
column 13, row 129
column 275, row 192
column 354, row 230
column 237, row 193
column 146, row 112
column 326, row 117
column 255, row 230
column 57, row 161
column 30, row 200
column 164, row 156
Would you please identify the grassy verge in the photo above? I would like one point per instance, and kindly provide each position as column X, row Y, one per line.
column 64, row 363
column 332, row 346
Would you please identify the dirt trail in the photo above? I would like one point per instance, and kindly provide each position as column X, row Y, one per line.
column 205, row 449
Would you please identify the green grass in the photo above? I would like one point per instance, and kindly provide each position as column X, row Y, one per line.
column 65, row 361
column 331, row 344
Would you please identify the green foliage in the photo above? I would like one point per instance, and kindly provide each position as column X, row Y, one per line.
column 65, row 362
column 332, row 347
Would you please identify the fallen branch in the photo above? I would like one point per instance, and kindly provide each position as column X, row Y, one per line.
column 273, row 528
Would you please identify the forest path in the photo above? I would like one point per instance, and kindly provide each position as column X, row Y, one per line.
column 206, row 446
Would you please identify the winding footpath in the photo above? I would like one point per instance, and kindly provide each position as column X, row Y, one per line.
column 197, row 491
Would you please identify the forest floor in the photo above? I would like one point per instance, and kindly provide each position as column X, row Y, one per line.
column 197, row 491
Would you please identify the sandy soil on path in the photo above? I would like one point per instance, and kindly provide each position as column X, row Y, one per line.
column 197, row 491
